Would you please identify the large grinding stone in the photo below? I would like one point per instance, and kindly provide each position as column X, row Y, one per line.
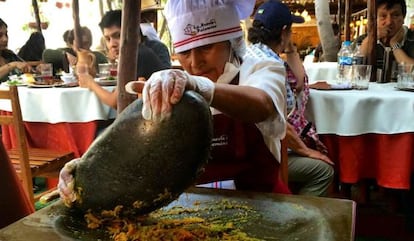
column 144, row 161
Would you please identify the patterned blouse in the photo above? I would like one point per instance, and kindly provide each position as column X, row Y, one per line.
column 305, row 129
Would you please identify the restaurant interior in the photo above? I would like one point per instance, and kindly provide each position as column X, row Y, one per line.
column 379, row 209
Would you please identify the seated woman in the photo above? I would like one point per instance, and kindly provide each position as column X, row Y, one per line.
column 310, row 169
column 33, row 49
column 10, row 63
column 246, row 95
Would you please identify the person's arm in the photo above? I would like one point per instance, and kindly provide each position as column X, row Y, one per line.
column 296, row 66
column 7, row 68
column 107, row 97
column 399, row 54
column 260, row 95
column 298, row 146
column 244, row 103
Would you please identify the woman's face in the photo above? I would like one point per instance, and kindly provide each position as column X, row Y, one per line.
column 4, row 38
column 208, row 60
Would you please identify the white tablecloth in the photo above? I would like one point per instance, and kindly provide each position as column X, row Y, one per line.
column 381, row 109
column 321, row 71
column 54, row 105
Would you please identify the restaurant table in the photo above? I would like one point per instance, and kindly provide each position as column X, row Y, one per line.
column 369, row 133
column 265, row 216
column 63, row 119
column 321, row 71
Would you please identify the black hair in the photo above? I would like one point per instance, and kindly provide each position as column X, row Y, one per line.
column 32, row 50
column 66, row 36
column 259, row 34
column 111, row 18
column 2, row 23
column 391, row 3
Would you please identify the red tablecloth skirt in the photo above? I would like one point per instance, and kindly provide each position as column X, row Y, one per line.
column 64, row 136
column 387, row 158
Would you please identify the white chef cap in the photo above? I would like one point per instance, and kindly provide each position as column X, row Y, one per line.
column 195, row 23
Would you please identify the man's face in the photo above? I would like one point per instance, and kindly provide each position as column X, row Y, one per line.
column 4, row 38
column 390, row 20
column 112, row 36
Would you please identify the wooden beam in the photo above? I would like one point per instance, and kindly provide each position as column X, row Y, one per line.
column 130, row 38
column 372, row 38
column 37, row 15
column 77, row 28
column 347, row 21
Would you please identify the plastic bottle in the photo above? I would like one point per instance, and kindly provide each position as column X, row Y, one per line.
column 345, row 63
column 357, row 56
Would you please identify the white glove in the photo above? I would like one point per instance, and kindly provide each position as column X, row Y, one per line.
column 165, row 88
column 67, row 183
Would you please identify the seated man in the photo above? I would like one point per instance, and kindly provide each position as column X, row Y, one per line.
column 148, row 62
column 393, row 38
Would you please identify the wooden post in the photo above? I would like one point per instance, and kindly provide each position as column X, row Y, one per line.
column 37, row 15
column 340, row 14
column 76, row 20
column 372, row 38
column 348, row 10
column 130, row 38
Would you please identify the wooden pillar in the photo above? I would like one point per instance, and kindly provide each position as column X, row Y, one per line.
column 372, row 38
column 76, row 20
column 37, row 15
column 348, row 10
column 340, row 14
column 130, row 38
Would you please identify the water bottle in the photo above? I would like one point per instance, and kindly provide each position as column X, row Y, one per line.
column 345, row 63
column 357, row 56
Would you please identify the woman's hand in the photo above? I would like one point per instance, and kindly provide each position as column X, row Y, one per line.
column 22, row 66
column 165, row 89
column 67, row 182
column 314, row 154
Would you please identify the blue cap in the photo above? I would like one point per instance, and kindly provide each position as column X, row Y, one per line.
column 274, row 14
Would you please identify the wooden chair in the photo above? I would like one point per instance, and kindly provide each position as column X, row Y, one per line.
column 29, row 162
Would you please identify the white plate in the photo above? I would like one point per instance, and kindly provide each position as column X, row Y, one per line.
column 15, row 83
column 405, row 88
column 106, row 82
column 39, row 86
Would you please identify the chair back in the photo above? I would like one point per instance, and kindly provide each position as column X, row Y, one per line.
column 16, row 120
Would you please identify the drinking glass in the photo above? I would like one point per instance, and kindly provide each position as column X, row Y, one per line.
column 405, row 76
column 104, row 69
column 361, row 75
column 46, row 70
